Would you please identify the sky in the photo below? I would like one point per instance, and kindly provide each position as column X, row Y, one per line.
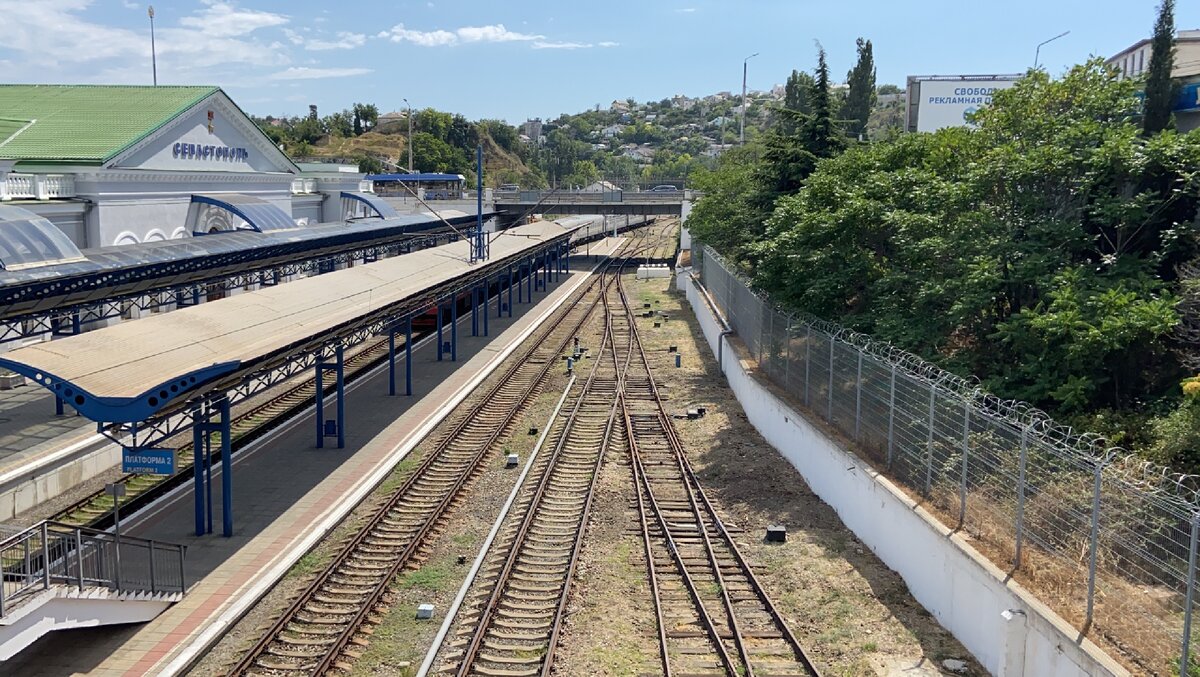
column 518, row 59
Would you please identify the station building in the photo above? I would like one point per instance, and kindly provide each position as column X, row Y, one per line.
column 117, row 165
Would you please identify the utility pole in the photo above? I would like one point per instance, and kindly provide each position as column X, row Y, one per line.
column 410, row 140
column 742, row 125
column 153, row 54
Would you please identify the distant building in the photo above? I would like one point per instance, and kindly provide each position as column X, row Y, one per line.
column 1134, row 61
column 651, row 117
column 619, row 106
column 601, row 187
column 532, row 128
column 611, row 131
column 115, row 165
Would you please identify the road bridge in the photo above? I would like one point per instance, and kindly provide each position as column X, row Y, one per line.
column 514, row 205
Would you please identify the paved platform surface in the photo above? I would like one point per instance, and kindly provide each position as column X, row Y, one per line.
column 29, row 427
column 283, row 491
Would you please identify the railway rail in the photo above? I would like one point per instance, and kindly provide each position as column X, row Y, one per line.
column 713, row 615
column 316, row 633
column 511, row 627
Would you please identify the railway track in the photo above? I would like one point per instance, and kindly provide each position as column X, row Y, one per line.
column 317, row 633
column 511, row 624
column 713, row 615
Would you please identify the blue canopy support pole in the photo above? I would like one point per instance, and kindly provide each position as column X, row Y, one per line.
column 341, row 396
column 500, row 295
column 439, row 332
column 391, row 360
column 529, row 282
column 58, row 406
column 199, row 432
column 510, row 287
column 520, row 280
column 208, row 492
column 226, row 470
column 475, row 311
column 320, row 401
column 454, row 330
column 408, row 355
column 486, row 287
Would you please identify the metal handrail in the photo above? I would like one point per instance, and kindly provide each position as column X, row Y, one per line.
column 53, row 553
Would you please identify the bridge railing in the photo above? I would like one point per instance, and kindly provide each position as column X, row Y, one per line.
column 1107, row 540
column 577, row 197
column 52, row 553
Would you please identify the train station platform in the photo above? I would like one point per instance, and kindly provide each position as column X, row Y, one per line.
column 282, row 514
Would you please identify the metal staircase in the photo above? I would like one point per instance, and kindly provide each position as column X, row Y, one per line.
column 56, row 576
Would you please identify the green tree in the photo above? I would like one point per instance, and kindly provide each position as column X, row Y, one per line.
column 861, row 97
column 339, row 124
column 365, row 116
column 1036, row 252
column 1159, row 86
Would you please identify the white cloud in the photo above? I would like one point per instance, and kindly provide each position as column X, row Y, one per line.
column 539, row 44
column 105, row 53
column 466, row 34
column 686, row 10
column 608, row 43
column 306, row 73
column 293, row 37
column 225, row 19
column 344, row 40
column 129, row 5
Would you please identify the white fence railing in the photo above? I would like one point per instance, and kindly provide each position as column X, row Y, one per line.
column 37, row 187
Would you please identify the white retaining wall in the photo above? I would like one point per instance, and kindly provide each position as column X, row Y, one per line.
column 1009, row 631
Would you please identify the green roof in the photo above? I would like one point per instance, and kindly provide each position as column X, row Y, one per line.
column 85, row 124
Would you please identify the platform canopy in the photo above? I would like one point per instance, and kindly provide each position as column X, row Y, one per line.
column 219, row 212
column 28, row 240
column 131, row 371
column 372, row 203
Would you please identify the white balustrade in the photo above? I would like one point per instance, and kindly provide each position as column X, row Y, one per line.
column 37, row 187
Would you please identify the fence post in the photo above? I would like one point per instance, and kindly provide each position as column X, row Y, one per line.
column 966, row 448
column 1184, row 658
column 829, row 403
column 929, row 442
column 152, row 586
column 807, row 361
column 1021, row 495
column 79, row 554
column 1093, row 542
column 45, row 555
column 858, row 398
column 182, row 577
column 891, row 415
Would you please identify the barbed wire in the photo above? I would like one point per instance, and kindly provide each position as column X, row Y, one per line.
column 1180, row 491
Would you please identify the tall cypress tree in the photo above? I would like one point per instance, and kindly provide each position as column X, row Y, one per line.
column 818, row 137
column 796, row 95
column 861, row 98
column 1159, row 87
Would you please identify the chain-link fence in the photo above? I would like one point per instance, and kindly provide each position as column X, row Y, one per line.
column 1108, row 541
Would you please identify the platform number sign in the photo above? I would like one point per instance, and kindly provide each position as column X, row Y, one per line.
column 148, row 461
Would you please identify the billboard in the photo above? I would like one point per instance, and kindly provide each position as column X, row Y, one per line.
column 946, row 101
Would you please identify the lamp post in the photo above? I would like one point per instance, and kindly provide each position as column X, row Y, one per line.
column 1038, row 52
column 153, row 55
column 410, row 139
column 742, row 124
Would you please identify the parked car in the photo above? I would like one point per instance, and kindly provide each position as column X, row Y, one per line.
column 508, row 188
column 664, row 188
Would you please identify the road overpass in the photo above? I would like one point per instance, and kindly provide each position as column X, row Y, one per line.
column 513, row 205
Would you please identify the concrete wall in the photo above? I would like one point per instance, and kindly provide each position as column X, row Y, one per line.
column 998, row 621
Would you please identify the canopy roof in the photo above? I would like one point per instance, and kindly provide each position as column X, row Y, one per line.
column 130, row 371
